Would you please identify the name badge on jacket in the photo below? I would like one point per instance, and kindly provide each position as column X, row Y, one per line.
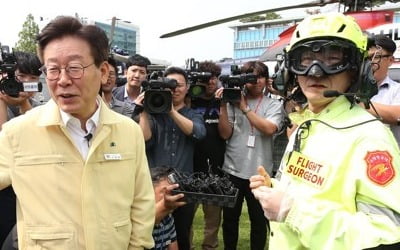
column 112, row 157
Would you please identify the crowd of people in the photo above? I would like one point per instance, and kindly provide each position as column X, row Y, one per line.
column 89, row 169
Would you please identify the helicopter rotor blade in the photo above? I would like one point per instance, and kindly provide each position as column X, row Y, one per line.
column 314, row 3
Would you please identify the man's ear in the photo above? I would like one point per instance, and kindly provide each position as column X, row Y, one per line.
column 105, row 71
column 391, row 60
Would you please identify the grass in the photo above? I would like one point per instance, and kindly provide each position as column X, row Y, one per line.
column 244, row 230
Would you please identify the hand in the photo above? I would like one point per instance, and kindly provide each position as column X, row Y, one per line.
column 171, row 202
column 140, row 99
column 270, row 87
column 271, row 200
column 261, row 179
column 256, row 181
column 218, row 93
column 16, row 101
column 243, row 103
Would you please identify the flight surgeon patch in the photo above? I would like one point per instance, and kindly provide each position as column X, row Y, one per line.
column 379, row 167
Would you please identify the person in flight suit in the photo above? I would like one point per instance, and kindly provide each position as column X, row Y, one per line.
column 338, row 181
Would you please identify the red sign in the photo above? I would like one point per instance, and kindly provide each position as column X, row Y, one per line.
column 380, row 169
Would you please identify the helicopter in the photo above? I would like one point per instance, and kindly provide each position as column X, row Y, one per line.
column 367, row 19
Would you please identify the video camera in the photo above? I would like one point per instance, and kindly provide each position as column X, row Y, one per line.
column 233, row 84
column 157, row 96
column 8, row 83
column 197, row 79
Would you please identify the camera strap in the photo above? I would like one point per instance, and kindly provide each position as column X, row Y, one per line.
column 255, row 111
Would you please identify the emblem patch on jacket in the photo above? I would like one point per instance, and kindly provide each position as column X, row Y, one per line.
column 379, row 167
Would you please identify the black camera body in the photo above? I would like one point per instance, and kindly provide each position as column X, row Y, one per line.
column 197, row 79
column 158, row 96
column 233, row 84
column 8, row 82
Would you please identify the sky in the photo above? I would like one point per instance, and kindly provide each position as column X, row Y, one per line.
column 154, row 19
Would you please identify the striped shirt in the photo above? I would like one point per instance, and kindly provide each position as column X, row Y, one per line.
column 164, row 233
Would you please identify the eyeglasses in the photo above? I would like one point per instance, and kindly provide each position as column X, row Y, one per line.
column 74, row 71
column 112, row 75
column 378, row 58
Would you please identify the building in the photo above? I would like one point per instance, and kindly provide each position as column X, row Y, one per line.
column 126, row 36
column 126, row 42
column 251, row 39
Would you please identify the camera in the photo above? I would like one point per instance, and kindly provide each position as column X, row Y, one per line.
column 233, row 84
column 157, row 96
column 8, row 83
column 197, row 79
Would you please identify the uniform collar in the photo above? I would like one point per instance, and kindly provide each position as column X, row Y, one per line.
column 333, row 109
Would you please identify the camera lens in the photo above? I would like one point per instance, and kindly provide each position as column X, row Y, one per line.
column 157, row 101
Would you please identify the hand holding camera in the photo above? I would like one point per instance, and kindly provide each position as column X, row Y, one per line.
column 9, row 84
column 234, row 84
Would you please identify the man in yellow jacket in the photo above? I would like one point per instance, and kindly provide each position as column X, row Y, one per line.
column 78, row 169
column 339, row 179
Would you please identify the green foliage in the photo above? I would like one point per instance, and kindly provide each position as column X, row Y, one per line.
column 267, row 16
column 27, row 36
column 272, row 16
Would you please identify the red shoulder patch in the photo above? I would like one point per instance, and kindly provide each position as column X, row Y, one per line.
column 379, row 167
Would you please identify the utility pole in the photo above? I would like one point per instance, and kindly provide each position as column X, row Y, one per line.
column 113, row 21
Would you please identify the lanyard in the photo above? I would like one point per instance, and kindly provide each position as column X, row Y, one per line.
column 255, row 111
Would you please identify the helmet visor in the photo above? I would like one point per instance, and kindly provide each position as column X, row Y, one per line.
column 331, row 56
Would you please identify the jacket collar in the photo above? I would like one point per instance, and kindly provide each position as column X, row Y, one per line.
column 52, row 116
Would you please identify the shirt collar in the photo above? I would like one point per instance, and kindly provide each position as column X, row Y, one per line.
column 91, row 123
column 387, row 82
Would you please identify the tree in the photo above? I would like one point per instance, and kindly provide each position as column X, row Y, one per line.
column 267, row 16
column 27, row 36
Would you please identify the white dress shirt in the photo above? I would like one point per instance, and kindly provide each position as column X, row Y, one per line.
column 73, row 125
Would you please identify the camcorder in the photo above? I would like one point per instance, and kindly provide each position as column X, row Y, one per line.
column 158, row 96
column 8, row 83
column 234, row 84
column 197, row 79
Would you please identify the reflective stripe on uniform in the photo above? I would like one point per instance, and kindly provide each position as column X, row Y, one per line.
column 373, row 209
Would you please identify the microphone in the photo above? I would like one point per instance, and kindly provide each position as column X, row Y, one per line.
column 332, row 93
column 335, row 93
column 88, row 137
column 354, row 96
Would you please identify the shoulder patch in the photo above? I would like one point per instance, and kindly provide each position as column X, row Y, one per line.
column 379, row 167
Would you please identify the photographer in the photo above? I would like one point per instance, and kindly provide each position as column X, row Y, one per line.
column 26, row 70
column 164, row 233
column 249, row 127
column 118, row 106
column 135, row 73
column 170, row 139
column 209, row 152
